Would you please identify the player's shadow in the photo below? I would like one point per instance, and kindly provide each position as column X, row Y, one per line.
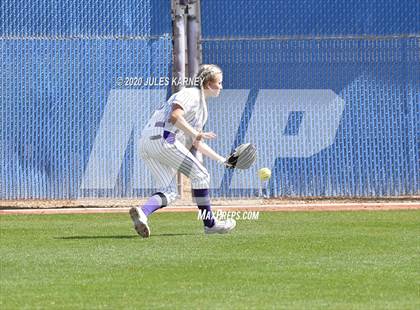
column 171, row 235
column 95, row 237
column 118, row 237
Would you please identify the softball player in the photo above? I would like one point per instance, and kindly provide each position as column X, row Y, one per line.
column 165, row 144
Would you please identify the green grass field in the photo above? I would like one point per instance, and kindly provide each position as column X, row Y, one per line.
column 319, row 260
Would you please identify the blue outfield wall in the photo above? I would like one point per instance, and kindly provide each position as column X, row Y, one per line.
column 375, row 150
column 366, row 52
column 54, row 94
column 84, row 18
column 69, row 124
column 245, row 18
column 61, row 64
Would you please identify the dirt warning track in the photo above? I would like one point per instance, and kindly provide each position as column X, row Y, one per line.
column 283, row 207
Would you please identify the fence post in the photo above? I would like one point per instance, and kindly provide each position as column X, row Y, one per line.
column 178, row 8
column 186, row 28
column 194, row 37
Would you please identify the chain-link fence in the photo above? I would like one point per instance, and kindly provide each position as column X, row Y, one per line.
column 64, row 67
column 327, row 90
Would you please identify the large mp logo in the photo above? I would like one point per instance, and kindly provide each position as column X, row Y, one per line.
column 283, row 123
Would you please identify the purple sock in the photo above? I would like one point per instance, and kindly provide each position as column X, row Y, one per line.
column 202, row 198
column 152, row 204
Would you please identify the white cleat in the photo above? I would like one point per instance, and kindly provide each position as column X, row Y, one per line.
column 140, row 222
column 220, row 227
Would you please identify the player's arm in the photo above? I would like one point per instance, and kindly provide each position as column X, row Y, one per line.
column 177, row 118
column 205, row 149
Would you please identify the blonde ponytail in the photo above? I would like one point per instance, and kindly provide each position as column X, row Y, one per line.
column 207, row 73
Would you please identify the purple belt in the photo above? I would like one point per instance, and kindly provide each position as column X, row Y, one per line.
column 167, row 135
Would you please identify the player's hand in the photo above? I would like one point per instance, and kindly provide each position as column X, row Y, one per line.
column 206, row 136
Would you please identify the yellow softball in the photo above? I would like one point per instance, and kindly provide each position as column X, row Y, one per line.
column 264, row 174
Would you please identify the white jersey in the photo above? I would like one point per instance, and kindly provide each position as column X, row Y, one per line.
column 195, row 113
column 165, row 158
